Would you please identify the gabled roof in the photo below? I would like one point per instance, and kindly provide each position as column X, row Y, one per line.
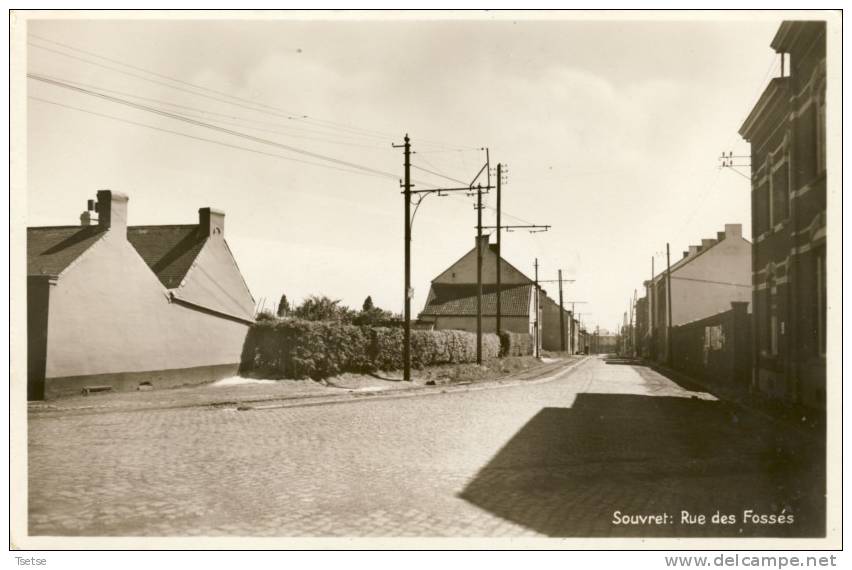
column 459, row 300
column 168, row 250
column 492, row 247
column 52, row 249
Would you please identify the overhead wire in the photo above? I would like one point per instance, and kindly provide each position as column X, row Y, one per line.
column 255, row 105
column 187, row 135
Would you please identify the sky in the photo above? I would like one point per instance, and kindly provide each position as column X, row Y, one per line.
column 610, row 129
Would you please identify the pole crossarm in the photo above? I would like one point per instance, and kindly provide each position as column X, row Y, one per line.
column 440, row 190
column 543, row 228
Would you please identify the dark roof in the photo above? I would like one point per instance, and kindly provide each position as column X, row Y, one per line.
column 51, row 249
column 168, row 250
column 450, row 299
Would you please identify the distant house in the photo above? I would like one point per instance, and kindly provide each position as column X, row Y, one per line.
column 705, row 281
column 112, row 305
column 787, row 133
column 452, row 300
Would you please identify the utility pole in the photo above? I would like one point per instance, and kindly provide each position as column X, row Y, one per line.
column 479, row 273
column 409, row 292
column 406, row 347
column 561, row 316
column 499, row 252
column 562, row 307
column 634, row 320
column 537, row 328
column 651, row 295
column 669, row 302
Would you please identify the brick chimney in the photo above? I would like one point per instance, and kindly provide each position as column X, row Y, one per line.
column 694, row 249
column 211, row 222
column 112, row 210
column 720, row 236
column 484, row 242
column 733, row 230
column 707, row 243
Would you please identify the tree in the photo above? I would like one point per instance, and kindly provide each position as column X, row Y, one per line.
column 322, row 308
column 368, row 304
column 283, row 306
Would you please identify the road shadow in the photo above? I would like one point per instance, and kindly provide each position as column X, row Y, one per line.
column 569, row 470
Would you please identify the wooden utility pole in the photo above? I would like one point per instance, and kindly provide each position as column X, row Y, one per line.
column 537, row 327
column 651, row 295
column 669, row 303
column 561, row 316
column 406, row 348
column 479, row 273
column 499, row 252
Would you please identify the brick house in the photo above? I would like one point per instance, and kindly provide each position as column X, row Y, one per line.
column 451, row 303
column 786, row 130
column 704, row 282
column 112, row 305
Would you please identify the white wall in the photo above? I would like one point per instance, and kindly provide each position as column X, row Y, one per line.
column 109, row 313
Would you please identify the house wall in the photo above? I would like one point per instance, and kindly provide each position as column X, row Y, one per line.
column 788, row 146
column 551, row 334
column 489, row 324
column 464, row 270
column 111, row 323
column 696, row 291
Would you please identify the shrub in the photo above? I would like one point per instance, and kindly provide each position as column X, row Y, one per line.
column 294, row 348
column 515, row 344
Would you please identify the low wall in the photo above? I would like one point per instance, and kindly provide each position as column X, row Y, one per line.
column 716, row 349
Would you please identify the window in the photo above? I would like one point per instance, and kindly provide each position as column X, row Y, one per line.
column 773, row 335
column 762, row 206
column 780, row 195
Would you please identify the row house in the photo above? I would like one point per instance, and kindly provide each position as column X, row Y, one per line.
column 786, row 131
column 706, row 280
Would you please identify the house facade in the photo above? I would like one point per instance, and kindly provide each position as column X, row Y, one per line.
column 452, row 300
column 705, row 281
column 786, row 131
column 123, row 307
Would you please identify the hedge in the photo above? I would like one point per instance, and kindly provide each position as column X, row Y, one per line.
column 515, row 344
column 293, row 348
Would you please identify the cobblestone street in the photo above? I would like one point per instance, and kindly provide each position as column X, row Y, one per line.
column 549, row 459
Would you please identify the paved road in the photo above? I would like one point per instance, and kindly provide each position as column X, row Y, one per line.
column 550, row 459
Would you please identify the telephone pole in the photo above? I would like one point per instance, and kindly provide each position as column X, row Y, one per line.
column 537, row 327
column 407, row 193
column 499, row 252
column 561, row 316
column 479, row 273
column 669, row 302
column 406, row 346
column 563, row 344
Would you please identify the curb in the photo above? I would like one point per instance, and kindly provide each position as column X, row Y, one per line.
column 275, row 402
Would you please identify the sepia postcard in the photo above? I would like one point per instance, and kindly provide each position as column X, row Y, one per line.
column 425, row 280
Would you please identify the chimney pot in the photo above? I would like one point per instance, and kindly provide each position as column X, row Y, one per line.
column 86, row 218
column 720, row 236
column 685, row 254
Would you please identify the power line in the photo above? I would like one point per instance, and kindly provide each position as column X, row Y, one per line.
column 187, row 135
column 198, row 123
column 256, row 106
column 438, row 174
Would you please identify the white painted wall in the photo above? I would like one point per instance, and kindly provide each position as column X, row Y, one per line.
column 109, row 313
